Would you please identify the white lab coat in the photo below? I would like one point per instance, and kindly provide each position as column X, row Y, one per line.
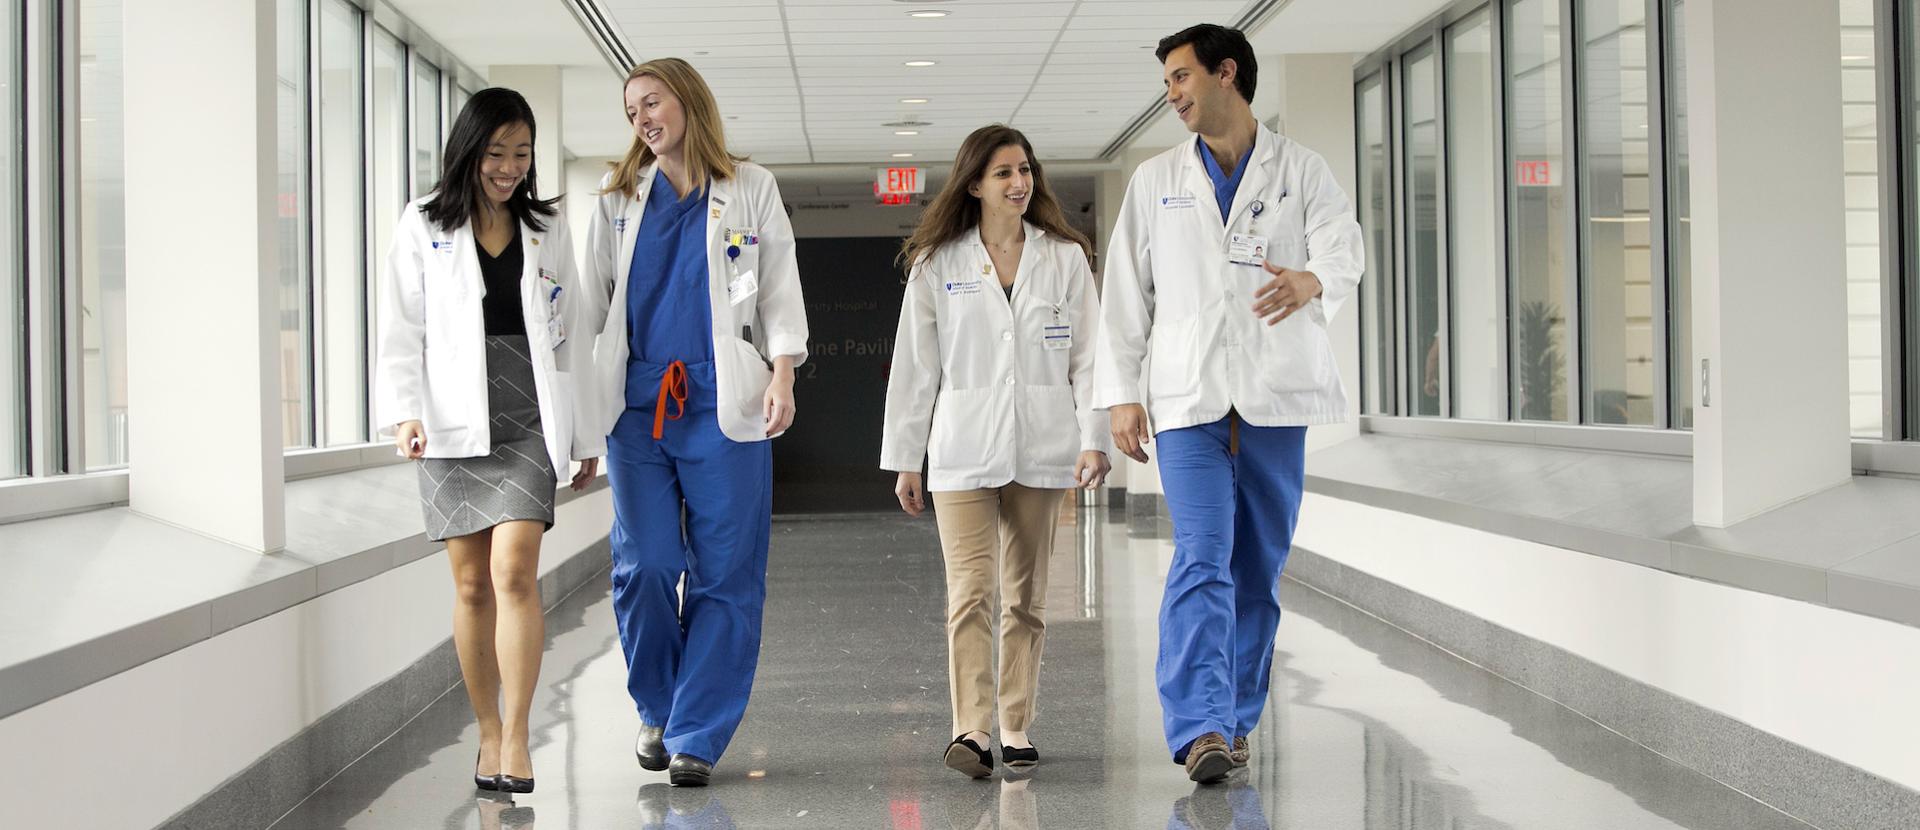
column 1176, row 308
column 432, row 363
column 775, row 311
column 975, row 389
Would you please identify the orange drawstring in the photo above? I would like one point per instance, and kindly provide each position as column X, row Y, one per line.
column 673, row 385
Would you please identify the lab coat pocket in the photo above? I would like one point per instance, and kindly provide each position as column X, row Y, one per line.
column 1173, row 353
column 753, row 373
column 1295, row 355
column 966, row 428
column 1053, row 427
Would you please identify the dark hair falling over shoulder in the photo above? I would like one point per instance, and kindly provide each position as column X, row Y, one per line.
column 457, row 199
column 956, row 212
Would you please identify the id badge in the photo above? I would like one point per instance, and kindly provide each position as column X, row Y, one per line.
column 741, row 288
column 1056, row 338
column 1247, row 249
column 556, row 331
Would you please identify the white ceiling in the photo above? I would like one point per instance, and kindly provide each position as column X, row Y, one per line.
column 815, row 81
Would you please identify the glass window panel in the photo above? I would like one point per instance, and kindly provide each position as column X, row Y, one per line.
column 1538, row 249
column 1618, row 301
column 1419, row 98
column 1860, row 127
column 342, row 319
column 426, row 127
column 1680, row 221
column 1376, row 222
column 13, row 344
column 1473, row 209
column 102, row 252
column 295, row 293
column 459, row 102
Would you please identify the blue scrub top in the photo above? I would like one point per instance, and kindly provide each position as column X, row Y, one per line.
column 1224, row 186
column 668, row 314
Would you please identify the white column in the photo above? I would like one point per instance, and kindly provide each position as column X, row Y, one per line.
column 1769, row 270
column 1315, row 104
column 540, row 85
column 203, row 384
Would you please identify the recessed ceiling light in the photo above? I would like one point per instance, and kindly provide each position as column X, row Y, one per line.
column 1856, row 57
column 913, row 100
column 903, row 155
column 906, row 132
column 919, row 63
column 927, row 13
column 701, row 53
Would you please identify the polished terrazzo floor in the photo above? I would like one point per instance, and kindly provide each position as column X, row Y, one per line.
column 1367, row 727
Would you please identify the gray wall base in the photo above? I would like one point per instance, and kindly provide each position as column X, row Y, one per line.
column 276, row 783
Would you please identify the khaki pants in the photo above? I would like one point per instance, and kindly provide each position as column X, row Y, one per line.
column 996, row 541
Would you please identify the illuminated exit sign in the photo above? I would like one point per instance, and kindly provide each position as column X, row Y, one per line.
column 898, row 180
column 1535, row 173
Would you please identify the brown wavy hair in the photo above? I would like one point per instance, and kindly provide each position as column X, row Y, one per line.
column 955, row 212
column 705, row 143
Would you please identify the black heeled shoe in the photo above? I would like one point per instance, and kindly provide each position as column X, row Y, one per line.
column 490, row 783
column 1019, row 756
column 510, row 784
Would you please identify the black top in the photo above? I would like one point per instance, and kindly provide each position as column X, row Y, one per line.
column 501, row 305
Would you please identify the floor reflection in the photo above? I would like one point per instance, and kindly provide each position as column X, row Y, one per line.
column 1368, row 728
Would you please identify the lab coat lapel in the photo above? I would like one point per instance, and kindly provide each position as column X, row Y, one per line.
column 1260, row 171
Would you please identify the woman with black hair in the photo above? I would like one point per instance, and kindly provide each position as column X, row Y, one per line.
column 475, row 318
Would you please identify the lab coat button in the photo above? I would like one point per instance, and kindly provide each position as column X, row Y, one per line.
column 1006, row 335
column 1009, row 380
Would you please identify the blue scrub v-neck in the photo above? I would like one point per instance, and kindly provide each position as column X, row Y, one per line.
column 1224, row 186
column 668, row 314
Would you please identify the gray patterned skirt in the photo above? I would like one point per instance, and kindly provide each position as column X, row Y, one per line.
column 468, row 495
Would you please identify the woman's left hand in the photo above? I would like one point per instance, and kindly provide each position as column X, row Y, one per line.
column 778, row 407
column 1091, row 470
column 588, row 469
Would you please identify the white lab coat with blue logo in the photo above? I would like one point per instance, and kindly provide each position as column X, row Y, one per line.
column 1178, row 311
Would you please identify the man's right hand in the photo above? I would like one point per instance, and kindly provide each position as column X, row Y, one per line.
column 1130, row 434
column 411, row 438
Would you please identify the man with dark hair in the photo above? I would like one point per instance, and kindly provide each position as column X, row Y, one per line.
column 1231, row 253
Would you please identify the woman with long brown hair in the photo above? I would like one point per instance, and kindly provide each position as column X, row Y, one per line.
column 992, row 387
column 694, row 295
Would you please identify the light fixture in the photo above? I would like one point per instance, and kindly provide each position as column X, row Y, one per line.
column 1856, row 57
column 919, row 63
column 927, row 13
column 913, row 100
column 903, row 155
column 906, row 132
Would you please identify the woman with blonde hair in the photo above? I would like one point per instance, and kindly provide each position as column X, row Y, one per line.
column 694, row 294
column 991, row 386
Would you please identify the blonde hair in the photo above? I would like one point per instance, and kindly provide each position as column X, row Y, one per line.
column 705, row 144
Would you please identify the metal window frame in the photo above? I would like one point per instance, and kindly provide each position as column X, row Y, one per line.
column 1893, row 45
column 325, row 353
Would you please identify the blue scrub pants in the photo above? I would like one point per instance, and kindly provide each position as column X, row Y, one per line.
column 690, row 665
column 1233, row 518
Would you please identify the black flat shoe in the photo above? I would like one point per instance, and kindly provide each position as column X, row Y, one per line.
column 490, row 783
column 969, row 758
column 688, row 771
column 510, row 784
column 650, row 748
column 1019, row 757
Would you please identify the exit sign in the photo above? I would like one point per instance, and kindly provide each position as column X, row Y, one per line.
column 1535, row 173
column 899, row 180
column 897, row 199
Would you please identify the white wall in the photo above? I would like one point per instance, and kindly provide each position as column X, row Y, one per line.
column 1791, row 668
column 136, row 748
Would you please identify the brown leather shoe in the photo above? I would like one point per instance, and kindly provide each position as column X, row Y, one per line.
column 1240, row 752
column 1208, row 761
